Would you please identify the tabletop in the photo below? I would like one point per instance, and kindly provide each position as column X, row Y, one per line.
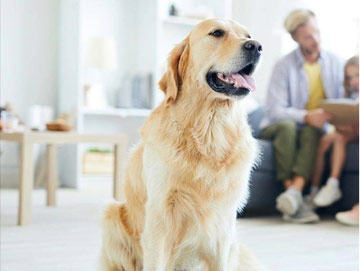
column 61, row 137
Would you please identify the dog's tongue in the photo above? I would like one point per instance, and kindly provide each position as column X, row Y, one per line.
column 239, row 80
column 244, row 81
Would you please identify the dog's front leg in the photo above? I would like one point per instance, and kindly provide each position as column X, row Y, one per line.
column 222, row 257
column 156, row 247
column 218, row 258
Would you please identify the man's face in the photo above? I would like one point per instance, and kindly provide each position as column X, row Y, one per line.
column 308, row 37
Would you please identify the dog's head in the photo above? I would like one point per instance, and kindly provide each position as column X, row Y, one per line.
column 218, row 56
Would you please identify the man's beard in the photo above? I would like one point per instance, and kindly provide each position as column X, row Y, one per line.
column 310, row 52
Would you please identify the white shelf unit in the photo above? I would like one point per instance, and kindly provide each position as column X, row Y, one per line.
column 121, row 112
column 180, row 21
column 144, row 34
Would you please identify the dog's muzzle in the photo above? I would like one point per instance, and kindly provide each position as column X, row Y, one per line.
column 240, row 82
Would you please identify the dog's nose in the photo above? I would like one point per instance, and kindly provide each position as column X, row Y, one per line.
column 253, row 47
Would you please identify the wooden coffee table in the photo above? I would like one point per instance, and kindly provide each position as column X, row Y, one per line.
column 52, row 139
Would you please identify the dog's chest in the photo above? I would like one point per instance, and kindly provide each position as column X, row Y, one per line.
column 209, row 160
column 206, row 199
column 222, row 139
column 208, row 185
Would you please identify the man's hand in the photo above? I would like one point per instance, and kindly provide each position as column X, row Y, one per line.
column 317, row 117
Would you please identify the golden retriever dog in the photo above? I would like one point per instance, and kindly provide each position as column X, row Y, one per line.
column 185, row 181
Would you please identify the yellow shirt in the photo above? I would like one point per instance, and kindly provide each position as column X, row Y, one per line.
column 316, row 88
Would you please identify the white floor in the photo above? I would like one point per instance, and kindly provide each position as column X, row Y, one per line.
column 68, row 238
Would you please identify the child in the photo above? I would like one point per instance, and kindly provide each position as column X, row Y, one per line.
column 330, row 192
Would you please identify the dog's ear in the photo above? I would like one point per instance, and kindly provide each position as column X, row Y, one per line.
column 171, row 81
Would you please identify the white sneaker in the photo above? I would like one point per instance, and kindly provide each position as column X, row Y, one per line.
column 289, row 201
column 305, row 214
column 347, row 218
column 327, row 195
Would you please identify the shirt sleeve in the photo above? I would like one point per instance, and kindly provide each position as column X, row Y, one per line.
column 278, row 98
column 340, row 78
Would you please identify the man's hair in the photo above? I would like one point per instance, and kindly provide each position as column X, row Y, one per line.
column 297, row 18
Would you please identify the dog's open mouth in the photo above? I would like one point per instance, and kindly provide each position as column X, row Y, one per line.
column 234, row 84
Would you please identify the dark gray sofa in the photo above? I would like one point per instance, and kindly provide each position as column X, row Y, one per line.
column 264, row 188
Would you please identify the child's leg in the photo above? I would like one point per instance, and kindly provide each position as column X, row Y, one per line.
column 338, row 156
column 330, row 192
column 325, row 142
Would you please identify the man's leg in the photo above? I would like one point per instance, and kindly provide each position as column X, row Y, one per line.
column 288, row 183
column 283, row 136
column 305, row 158
column 298, row 182
column 291, row 202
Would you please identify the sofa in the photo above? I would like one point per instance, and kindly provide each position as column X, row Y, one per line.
column 264, row 188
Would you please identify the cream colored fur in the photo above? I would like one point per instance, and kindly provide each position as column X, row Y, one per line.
column 189, row 175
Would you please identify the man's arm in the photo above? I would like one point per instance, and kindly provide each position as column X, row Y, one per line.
column 338, row 73
column 278, row 99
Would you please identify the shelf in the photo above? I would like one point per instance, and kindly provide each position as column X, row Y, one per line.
column 94, row 177
column 122, row 112
column 180, row 20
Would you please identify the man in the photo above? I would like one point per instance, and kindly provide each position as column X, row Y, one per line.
column 294, row 121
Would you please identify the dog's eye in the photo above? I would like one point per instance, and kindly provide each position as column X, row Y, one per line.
column 218, row 33
column 248, row 36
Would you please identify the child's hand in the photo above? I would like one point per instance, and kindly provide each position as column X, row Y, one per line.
column 344, row 129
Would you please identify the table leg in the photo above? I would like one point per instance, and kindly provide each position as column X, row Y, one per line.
column 52, row 182
column 119, row 160
column 26, row 183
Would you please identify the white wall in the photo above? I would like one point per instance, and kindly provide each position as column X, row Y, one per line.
column 338, row 22
column 263, row 20
column 28, row 61
column 110, row 18
column 29, row 37
column 30, row 33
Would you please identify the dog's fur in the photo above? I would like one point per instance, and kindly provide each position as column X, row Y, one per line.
column 189, row 175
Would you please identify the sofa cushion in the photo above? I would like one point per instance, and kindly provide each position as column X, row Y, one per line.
column 263, row 191
column 352, row 158
column 267, row 161
column 254, row 119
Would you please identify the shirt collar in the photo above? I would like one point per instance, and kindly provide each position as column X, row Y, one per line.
column 300, row 59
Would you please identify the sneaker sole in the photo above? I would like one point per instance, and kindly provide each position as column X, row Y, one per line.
column 286, row 205
column 310, row 219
